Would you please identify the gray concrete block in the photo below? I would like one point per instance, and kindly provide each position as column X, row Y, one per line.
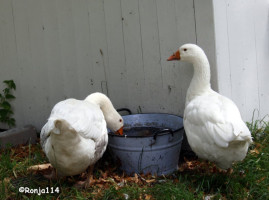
column 16, row 136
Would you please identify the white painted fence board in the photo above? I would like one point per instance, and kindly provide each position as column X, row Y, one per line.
column 261, row 27
column 133, row 53
column 151, row 57
column 99, row 55
column 117, row 76
column 205, row 34
column 186, row 33
column 38, row 64
column 222, row 51
column 8, row 54
column 53, row 52
column 20, row 12
column 173, row 72
column 168, row 44
column 243, row 64
column 82, row 49
column 67, row 44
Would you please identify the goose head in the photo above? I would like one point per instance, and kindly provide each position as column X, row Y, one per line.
column 114, row 122
column 189, row 53
column 113, row 118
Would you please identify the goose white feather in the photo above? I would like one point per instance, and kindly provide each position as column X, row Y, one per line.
column 213, row 124
column 75, row 136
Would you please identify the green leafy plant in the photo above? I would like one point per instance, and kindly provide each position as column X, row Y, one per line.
column 6, row 110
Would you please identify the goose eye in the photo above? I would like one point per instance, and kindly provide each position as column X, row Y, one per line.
column 120, row 120
column 185, row 49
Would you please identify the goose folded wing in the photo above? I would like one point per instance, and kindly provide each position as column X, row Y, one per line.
column 218, row 118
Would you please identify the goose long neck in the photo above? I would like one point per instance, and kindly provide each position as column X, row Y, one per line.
column 200, row 82
column 102, row 101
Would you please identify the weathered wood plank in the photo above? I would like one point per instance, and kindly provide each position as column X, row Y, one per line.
column 53, row 52
column 151, row 57
column 242, row 56
column 67, row 48
column 116, row 74
column 260, row 10
column 9, row 58
column 204, row 19
column 133, row 53
column 20, row 14
column 222, row 48
column 82, row 49
column 99, row 54
column 38, row 73
column 171, row 23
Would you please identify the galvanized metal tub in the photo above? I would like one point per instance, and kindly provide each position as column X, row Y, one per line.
column 156, row 153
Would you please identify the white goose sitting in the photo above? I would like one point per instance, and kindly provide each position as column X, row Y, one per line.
column 75, row 136
column 213, row 124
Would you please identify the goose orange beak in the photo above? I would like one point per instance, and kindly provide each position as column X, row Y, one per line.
column 175, row 56
column 120, row 131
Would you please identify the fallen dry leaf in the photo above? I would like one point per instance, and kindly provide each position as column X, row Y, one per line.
column 254, row 151
column 136, row 178
column 150, row 181
column 40, row 167
column 148, row 197
column 261, row 179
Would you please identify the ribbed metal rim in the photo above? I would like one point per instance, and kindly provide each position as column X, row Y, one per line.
column 111, row 134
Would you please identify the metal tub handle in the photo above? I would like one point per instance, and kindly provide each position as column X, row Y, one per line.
column 125, row 110
column 160, row 132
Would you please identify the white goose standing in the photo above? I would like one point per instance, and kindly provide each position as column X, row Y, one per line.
column 75, row 136
column 213, row 124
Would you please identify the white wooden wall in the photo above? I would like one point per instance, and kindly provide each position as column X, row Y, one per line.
column 58, row 49
column 242, row 53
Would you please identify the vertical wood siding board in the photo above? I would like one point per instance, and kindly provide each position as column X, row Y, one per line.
column 205, row 34
column 63, row 68
column 174, row 72
column 141, row 46
column 39, row 62
column 116, row 55
column 151, row 56
column 243, row 63
column 159, row 49
column 23, row 50
column 230, row 66
column 67, row 44
column 99, row 44
column 167, row 21
column 125, row 60
column 74, row 68
column 223, row 62
column 231, row 53
column 20, row 98
column 87, row 75
column 262, row 50
column 254, row 5
column 53, row 54
column 93, row 82
column 186, row 27
column 9, row 57
column 133, row 51
column 106, row 68
column 195, row 26
column 167, row 31
column 168, row 36
column 78, row 16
